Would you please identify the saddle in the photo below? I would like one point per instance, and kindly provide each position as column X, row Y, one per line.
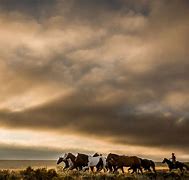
column 175, row 164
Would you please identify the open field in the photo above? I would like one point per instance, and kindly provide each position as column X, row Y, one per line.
column 47, row 170
column 52, row 174
column 48, row 164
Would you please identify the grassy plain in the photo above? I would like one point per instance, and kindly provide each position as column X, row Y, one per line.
column 52, row 174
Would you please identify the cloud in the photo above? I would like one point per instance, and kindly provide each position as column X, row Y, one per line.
column 113, row 69
column 82, row 114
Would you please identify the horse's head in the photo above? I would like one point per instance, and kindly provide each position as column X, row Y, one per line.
column 110, row 159
column 164, row 160
column 60, row 159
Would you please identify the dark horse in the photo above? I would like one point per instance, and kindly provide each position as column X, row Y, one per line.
column 118, row 162
column 177, row 165
column 80, row 161
column 147, row 164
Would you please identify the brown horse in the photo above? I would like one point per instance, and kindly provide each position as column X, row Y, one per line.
column 147, row 165
column 111, row 165
column 118, row 162
column 70, row 156
column 80, row 161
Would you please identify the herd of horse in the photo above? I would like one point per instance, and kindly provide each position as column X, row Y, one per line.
column 114, row 162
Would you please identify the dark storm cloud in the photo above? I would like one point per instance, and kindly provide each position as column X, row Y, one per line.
column 21, row 152
column 81, row 113
column 123, row 64
column 35, row 8
column 76, row 7
column 18, row 152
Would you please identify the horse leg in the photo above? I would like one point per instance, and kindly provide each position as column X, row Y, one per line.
column 116, row 168
column 154, row 169
column 97, row 168
column 110, row 168
column 92, row 169
column 122, row 170
column 141, row 170
column 129, row 169
column 84, row 168
column 80, row 168
column 73, row 167
column 134, row 170
column 182, row 170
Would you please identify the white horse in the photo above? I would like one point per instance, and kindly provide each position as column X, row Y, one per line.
column 94, row 161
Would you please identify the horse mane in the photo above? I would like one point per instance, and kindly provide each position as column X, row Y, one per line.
column 165, row 159
column 112, row 154
column 71, row 156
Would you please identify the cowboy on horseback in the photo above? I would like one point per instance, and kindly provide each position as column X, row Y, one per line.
column 173, row 158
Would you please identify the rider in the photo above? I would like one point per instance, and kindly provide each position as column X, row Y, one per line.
column 173, row 158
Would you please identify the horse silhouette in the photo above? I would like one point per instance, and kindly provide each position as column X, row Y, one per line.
column 147, row 164
column 68, row 159
column 94, row 162
column 177, row 165
column 116, row 162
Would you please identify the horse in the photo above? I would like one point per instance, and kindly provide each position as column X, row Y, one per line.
column 101, row 163
column 61, row 159
column 80, row 161
column 177, row 165
column 120, row 161
column 68, row 159
column 109, row 163
column 146, row 164
column 97, row 161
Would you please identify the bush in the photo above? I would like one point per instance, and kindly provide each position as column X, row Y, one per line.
column 44, row 174
column 38, row 174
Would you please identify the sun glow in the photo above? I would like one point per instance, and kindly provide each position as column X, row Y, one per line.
column 73, row 143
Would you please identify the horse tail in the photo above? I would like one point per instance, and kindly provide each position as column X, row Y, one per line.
column 153, row 165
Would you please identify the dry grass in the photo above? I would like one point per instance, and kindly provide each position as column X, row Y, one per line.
column 51, row 174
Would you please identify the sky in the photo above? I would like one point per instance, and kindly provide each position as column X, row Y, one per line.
column 94, row 76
